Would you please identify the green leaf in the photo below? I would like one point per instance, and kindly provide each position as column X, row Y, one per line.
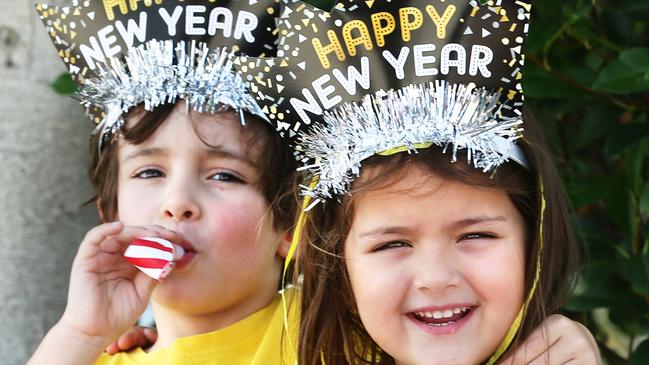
column 64, row 84
column 601, row 286
column 634, row 159
column 641, row 354
column 538, row 83
column 633, row 319
column 644, row 201
column 598, row 120
column 629, row 73
column 625, row 137
column 636, row 270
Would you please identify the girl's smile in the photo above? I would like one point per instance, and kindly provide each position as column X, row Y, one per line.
column 442, row 320
column 446, row 260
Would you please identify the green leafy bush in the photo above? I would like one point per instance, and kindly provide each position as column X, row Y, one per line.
column 587, row 81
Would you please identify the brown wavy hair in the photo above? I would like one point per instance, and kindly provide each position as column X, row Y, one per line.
column 331, row 329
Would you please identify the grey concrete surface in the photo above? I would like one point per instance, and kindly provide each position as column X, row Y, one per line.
column 43, row 183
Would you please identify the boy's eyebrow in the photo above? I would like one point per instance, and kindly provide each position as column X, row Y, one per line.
column 144, row 152
column 220, row 152
column 214, row 151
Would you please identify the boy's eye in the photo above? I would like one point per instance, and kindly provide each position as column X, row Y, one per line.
column 391, row 245
column 149, row 174
column 227, row 177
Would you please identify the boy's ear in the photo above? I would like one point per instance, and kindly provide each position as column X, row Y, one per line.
column 285, row 245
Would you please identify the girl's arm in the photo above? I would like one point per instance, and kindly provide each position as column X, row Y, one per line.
column 106, row 296
column 558, row 340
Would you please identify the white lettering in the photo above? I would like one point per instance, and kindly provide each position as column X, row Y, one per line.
column 246, row 23
column 478, row 62
column 362, row 78
column 300, row 106
column 191, row 20
column 421, row 60
column 397, row 63
column 133, row 29
column 92, row 53
column 225, row 26
column 446, row 62
column 171, row 20
column 324, row 92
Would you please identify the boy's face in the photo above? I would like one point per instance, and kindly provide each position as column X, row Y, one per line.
column 205, row 189
column 437, row 268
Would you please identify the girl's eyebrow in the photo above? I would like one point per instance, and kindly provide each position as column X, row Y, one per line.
column 467, row 222
column 386, row 230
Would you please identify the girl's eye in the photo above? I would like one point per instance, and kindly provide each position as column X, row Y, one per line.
column 227, row 177
column 149, row 174
column 477, row 236
column 391, row 245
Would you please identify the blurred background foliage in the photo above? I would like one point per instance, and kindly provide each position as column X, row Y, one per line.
column 587, row 82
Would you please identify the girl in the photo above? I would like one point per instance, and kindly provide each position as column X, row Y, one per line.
column 428, row 261
column 441, row 255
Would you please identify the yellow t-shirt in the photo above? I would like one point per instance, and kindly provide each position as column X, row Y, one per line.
column 259, row 339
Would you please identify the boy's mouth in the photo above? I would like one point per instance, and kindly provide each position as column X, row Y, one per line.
column 187, row 257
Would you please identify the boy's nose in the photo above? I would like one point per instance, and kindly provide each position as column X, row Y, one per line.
column 180, row 205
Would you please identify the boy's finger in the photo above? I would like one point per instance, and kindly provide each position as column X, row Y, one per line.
column 151, row 335
column 97, row 235
column 112, row 349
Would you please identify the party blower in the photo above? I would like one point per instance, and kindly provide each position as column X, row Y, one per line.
column 153, row 256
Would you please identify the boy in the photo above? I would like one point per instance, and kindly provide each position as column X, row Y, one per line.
column 172, row 158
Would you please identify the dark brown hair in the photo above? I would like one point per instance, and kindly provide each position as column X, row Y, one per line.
column 275, row 163
column 331, row 328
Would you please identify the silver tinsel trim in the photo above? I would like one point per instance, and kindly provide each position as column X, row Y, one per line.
column 150, row 74
column 453, row 116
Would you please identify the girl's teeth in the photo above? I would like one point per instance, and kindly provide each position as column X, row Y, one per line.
column 448, row 313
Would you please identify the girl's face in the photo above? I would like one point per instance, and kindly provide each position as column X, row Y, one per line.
column 436, row 267
column 208, row 193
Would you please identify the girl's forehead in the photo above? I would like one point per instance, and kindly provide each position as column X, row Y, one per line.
column 414, row 186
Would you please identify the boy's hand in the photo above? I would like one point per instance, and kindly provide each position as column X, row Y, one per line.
column 135, row 337
column 107, row 294
column 558, row 340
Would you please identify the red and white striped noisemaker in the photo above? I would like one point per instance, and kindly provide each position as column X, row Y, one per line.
column 153, row 256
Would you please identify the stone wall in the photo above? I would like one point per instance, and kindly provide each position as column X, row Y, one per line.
column 43, row 183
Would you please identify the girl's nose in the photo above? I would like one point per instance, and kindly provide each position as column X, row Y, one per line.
column 435, row 272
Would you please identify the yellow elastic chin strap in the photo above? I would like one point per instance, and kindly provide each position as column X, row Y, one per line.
column 513, row 329
column 297, row 233
column 395, row 150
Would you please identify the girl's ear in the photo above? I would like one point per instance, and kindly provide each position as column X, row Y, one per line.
column 285, row 245
column 100, row 210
